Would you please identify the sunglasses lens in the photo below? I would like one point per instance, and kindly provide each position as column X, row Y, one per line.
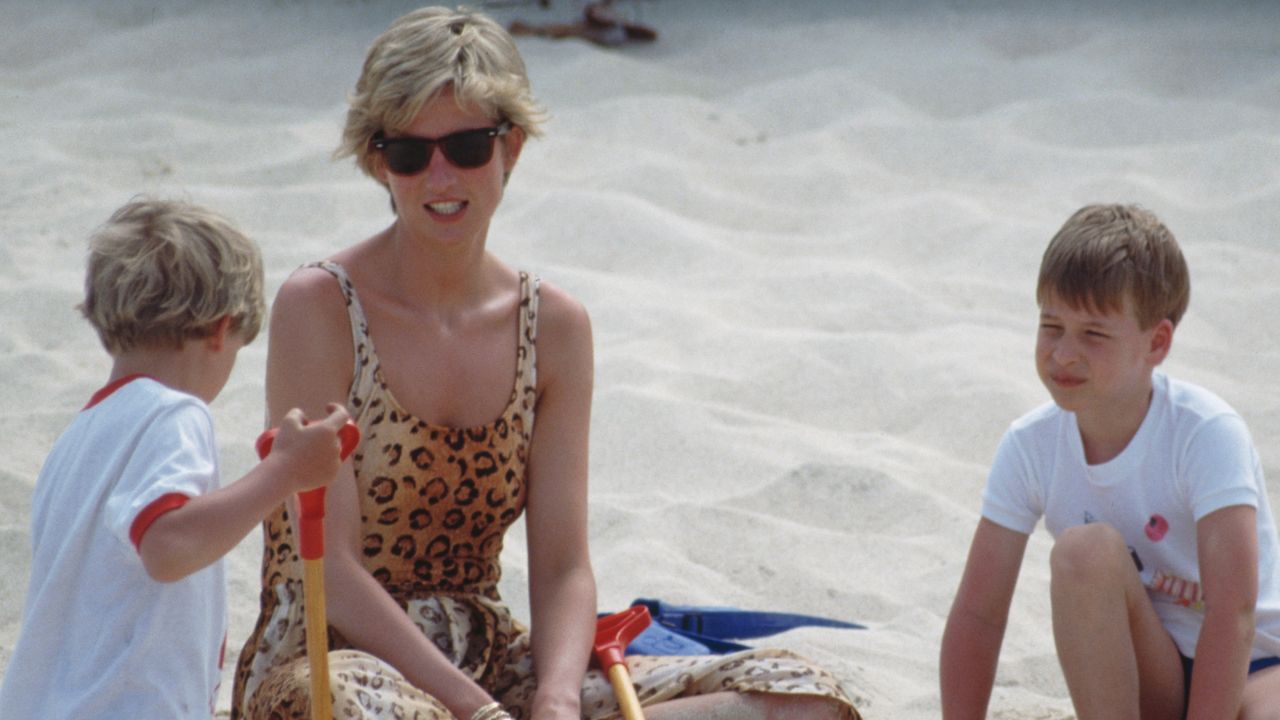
column 469, row 149
column 406, row 157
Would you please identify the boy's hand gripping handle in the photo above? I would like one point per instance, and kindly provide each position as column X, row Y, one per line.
column 311, row 548
column 311, row 502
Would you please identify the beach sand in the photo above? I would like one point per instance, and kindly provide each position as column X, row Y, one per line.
column 807, row 234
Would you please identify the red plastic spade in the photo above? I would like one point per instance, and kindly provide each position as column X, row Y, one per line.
column 613, row 633
column 311, row 548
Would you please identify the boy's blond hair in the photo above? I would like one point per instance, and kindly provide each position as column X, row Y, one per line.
column 162, row 272
column 421, row 55
column 1105, row 254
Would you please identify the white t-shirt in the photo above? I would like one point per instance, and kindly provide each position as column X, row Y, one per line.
column 100, row 638
column 1191, row 456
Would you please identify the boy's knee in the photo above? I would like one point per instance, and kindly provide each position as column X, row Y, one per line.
column 1261, row 699
column 1095, row 550
column 1267, row 710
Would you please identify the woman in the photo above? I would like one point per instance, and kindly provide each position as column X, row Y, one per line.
column 421, row 331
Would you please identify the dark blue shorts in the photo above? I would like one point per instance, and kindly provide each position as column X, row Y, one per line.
column 1254, row 666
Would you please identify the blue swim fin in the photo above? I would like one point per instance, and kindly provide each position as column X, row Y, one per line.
column 726, row 623
column 660, row 640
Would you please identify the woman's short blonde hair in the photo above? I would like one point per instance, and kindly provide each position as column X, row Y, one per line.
column 421, row 55
column 1107, row 254
column 162, row 272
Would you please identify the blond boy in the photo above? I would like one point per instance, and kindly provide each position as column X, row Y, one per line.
column 1165, row 590
column 126, row 611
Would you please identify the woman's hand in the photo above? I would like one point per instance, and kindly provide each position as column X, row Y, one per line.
column 548, row 708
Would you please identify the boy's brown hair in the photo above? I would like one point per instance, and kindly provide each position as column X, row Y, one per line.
column 1105, row 254
column 162, row 272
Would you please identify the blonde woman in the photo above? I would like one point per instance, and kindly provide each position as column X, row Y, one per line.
column 471, row 382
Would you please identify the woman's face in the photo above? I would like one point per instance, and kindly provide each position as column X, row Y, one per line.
column 442, row 200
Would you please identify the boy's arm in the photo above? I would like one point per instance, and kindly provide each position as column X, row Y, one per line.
column 206, row 527
column 1228, row 557
column 976, row 623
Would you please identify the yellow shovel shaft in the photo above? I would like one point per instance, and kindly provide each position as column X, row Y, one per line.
column 625, row 692
column 317, row 638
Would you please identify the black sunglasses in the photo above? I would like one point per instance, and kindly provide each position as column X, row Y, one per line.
column 466, row 149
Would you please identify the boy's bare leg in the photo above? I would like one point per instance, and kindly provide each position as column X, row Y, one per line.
column 1118, row 660
column 745, row 706
column 1261, row 699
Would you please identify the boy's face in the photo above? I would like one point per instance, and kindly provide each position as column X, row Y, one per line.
column 1095, row 361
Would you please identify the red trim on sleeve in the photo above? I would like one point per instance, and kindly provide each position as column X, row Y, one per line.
column 161, row 505
column 111, row 387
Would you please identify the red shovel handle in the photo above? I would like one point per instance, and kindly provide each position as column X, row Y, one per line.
column 348, row 435
column 311, row 502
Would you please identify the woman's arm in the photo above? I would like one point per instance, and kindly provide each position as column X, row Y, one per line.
column 1228, row 555
column 309, row 364
column 562, row 589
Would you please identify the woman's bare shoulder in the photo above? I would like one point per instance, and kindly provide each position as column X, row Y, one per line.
column 561, row 316
column 564, row 335
column 310, row 348
column 307, row 290
column 309, row 282
column 310, row 308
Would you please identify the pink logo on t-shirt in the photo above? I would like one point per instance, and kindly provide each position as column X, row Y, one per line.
column 1156, row 527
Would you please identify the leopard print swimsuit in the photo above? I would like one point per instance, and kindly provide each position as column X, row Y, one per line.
column 435, row 503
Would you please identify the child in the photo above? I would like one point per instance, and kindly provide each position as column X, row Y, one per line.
column 1165, row 591
column 125, row 616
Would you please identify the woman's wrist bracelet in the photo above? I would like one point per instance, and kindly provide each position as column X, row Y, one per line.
column 492, row 711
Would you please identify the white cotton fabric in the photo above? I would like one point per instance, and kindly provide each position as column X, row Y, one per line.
column 100, row 638
column 1191, row 456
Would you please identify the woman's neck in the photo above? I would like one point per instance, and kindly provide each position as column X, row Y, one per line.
column 442, row 273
